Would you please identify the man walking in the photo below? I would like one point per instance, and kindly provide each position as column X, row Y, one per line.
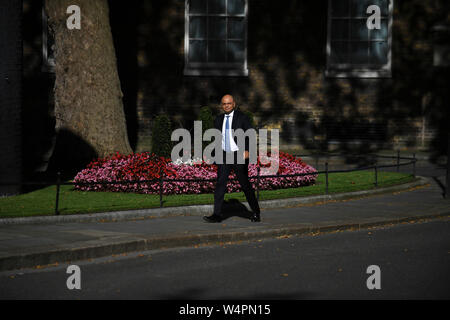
column 230, row 120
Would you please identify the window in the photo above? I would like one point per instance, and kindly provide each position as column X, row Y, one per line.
column 355, row 46
column 216, row 37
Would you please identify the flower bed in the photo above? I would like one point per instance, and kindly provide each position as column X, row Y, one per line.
column 147, row 166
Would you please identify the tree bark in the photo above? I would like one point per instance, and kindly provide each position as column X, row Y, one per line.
column 89, row 113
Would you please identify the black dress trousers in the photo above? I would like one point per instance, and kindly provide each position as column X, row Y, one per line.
column 241, row 171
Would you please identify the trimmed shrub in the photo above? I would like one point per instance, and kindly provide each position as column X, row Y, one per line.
column 250, row 116
column 207, row 119
column 161, row 132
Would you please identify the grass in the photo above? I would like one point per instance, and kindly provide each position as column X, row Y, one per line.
column 42, row 202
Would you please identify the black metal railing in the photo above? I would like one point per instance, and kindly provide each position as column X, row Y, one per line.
column 58, row 183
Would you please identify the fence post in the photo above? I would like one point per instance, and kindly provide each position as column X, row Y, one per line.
column 58, row 182
column 161, row 188
column 447, row 180
column 257, row 183
column 398, row 160
column 326, row 177
column 316, row 156
column 376, row 176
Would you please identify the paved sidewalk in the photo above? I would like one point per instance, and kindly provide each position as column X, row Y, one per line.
column 28, row 245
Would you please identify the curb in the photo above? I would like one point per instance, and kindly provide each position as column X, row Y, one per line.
column 198, row 210
column 62, row 256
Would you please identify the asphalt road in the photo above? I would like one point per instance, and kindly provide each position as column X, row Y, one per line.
column 413, row 259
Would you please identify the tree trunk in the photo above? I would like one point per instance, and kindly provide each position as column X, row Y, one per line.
column 89, row 113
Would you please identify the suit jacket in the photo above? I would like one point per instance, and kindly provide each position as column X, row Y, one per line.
column 240, row 121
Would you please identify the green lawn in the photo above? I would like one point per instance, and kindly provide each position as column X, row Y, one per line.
column 42, row 202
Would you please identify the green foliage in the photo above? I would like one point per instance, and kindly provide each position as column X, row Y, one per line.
column 207, row 119
column 161, row 133
column 42, row 201
column 250, row 115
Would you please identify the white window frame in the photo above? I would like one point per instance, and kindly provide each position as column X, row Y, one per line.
column 359, row 71
column 209, row 68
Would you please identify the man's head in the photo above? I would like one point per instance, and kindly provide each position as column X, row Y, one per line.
column 228, row 103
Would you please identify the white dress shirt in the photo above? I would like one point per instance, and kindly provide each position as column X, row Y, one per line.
column 233, row 145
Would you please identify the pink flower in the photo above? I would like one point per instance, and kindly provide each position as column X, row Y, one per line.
column 145, row 166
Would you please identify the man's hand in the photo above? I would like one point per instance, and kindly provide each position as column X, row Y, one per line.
column 246, row 154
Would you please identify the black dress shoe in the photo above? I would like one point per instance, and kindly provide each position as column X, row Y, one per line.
column 214, row 218
column 255, row 217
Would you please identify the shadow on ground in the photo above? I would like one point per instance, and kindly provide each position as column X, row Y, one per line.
column 235, row 208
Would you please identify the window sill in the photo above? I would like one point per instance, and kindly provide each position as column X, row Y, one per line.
column 216, row 72
column 358, row 74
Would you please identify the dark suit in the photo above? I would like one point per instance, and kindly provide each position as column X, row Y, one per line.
column 240, row 121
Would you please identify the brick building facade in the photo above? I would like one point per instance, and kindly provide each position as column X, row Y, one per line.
column 310, row 68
